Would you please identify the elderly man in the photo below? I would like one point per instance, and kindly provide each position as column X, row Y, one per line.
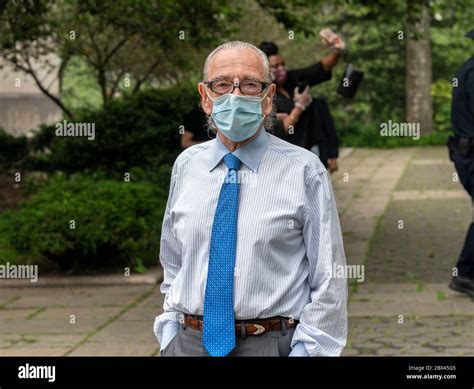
column 251, row 232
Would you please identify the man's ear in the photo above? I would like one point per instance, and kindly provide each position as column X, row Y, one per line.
column 268, row 101
column 206, row 102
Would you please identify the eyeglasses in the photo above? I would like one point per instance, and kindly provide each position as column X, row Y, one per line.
column 247, row 87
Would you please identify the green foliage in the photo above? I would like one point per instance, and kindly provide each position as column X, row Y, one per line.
column 144, row 41
column 441, row 92
column 13, row 150
column 374, row 43
column 369, row 136
column 79, row 89
column 440, row 296
column 139, row 131
column 8, row 253
column 116, row 223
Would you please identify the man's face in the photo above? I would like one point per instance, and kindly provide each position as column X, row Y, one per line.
column 239, row 63
column 277, row 65
column 276, row 62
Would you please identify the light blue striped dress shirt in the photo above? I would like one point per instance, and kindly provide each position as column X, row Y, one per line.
column 289, row 240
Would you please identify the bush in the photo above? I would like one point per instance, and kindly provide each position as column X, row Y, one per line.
column 134, row 131
column 441, row 91
column 13, row 150
column 7, row 252
column 369, row 136
column 116, row 223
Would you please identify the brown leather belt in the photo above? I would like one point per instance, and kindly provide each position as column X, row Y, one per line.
column 251, row 327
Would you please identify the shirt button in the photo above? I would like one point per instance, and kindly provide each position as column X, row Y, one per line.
column 236, row 272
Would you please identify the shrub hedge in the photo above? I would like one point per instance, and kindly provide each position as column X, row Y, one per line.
column 82, row 223
column 13, row 150
column 134, row 131
column 117, row 223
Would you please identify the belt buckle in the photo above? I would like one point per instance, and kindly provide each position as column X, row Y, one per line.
column 260, row 329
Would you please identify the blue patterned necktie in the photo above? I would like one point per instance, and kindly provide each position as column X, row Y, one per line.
column 218, row 334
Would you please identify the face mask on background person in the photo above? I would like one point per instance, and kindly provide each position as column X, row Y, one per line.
column 280, row 75
column 237, row 117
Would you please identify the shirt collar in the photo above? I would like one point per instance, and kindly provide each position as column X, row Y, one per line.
column 249, row 154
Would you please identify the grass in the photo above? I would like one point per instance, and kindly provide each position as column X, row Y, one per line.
column 10, row 300
column 36, row 312
column 440, row 296
column 354, row 286
column 28, row 340
column 419, row 286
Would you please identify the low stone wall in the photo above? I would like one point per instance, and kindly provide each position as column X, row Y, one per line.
column 22, row 113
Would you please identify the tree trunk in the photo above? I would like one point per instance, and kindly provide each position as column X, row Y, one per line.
column 55, row 99
column 419, row 105
column 101, row 79
column 3, row 5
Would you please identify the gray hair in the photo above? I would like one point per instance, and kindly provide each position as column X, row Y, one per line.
column 269, row 120
column 267, row 73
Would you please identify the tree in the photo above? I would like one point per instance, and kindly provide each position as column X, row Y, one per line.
column 3, row 5
column 419, row 105
column 145, row 41
column 27, row 37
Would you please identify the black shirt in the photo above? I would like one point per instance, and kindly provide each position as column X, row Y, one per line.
column 315, row 125
column 195, row 121
column 462, row 106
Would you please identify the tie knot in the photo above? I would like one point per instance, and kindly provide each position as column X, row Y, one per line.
column 231, row 161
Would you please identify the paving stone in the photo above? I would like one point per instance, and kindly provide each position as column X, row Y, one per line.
column 350, row 352
column 417, row 336
column 141, row 314
column 9, row 314
column 35, row 341
column 46, row 326
column 421, row 195
column 425, row 177
column 55, row 315
column 460, row 351
column 117, row 348
column 425, row 249
column 436, row 152
column 123, row 331
column 78, row 297
column 32, row 352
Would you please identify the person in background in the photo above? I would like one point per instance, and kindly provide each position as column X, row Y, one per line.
column 195, row 128
column 305, row 121
column 461, row 151
column 325, row 141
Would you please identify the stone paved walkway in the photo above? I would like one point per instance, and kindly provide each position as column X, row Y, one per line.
column 402, row 216
column 405, row 218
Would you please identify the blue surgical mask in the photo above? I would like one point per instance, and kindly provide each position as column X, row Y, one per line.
column 237, row 117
